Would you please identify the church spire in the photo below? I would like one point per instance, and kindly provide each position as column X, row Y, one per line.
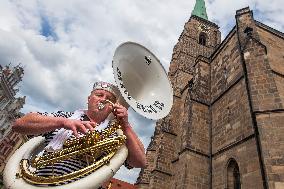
column 200, row 9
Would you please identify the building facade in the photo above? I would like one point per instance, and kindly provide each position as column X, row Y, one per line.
column 9, row 111
column 225, row 129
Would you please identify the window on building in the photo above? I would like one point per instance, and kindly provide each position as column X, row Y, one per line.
column 1, row 146
column 5, row 150
column 233, row 175
column 202, row 38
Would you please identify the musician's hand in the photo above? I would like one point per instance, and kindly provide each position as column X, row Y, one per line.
column 121, row 113
column 78, row 126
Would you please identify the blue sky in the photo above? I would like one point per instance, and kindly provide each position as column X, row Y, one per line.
column 46, row 29
column 65, row 46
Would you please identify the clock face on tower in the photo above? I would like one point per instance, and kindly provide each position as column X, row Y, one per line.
column 204, row 28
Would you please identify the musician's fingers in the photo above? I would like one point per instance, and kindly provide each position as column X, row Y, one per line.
column 81, row 128
column 118, row 106
column 118, row 111
column 75, row 133
column 88, row 126
column 93, row 124
column 121, row 114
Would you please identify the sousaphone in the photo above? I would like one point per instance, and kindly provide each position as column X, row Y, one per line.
column 144, row 86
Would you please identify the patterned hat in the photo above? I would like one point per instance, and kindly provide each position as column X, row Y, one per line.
column 107, row 87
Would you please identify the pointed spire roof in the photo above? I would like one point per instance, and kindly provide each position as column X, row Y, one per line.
column 200, row 9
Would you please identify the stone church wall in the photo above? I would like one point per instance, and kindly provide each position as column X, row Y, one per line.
column 191, row 171
column 271, row 134
column 247, row 159
column 275, row 49
column 231, row 121
column 226, row 67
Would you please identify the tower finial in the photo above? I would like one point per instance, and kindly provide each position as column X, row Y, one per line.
column 200, row 9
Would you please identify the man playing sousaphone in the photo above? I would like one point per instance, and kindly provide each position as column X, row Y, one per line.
column 60, row 126
column 144, row 85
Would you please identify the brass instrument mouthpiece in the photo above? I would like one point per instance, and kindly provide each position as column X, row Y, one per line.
column 101, row 105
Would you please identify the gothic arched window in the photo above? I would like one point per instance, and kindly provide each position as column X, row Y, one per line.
column 233, row 175
column 202, row 38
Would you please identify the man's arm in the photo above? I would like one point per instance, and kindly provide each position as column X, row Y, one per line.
column 136, row 152
column 34, row 124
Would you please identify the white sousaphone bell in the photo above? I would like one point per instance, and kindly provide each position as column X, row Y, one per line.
column 144, row 85
column 142, row 80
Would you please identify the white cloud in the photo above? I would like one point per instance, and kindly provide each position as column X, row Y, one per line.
column 61, row 68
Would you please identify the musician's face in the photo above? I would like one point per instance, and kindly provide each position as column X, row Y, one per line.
column 99, row 96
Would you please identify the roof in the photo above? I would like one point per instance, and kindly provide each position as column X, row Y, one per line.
column 200, row 9
column 118, row 184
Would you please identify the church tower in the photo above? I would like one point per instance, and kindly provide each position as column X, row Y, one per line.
column 225, row 129
column 180, row 143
